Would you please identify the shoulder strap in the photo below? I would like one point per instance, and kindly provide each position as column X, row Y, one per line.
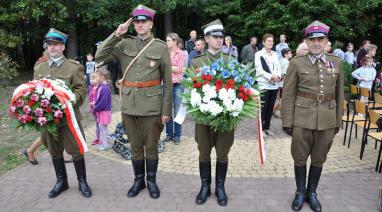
column 119, row 82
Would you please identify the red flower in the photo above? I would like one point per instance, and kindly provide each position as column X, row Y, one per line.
column 209, row 77
column 198, row 85
column 245, row 98
column 56, row 120
column 240, row 95
column 29, row 118
column 48, row 109
column 219, row 82
column 204, row 76
column 31, row 102
column 230, row 82
column 241, row 88
column 247, row 92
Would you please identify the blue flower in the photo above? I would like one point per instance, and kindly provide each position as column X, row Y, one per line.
column 247, row 85
column 245, row 76
column 231, row 65
column 225, row 74
column 215, row 66
column 237, row 79
column 235, row 73
column 205, row 70
column 213, row 72
column 251, row 81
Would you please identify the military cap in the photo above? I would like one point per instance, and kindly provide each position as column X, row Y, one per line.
column 142, row 12
column 214, row 28
column 316, row 29
column 55, row 36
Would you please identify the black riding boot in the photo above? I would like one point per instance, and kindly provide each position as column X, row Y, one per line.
column 62, row 178
column 205, row 176
column 299, row 198
column 139, row 180
column 221, row 173
column 151, row 171
column 83, row 186
column 314, row 178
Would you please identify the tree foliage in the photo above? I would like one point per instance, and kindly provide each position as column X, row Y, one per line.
column 24, row 22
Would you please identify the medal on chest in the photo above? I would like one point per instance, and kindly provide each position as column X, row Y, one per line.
column 331, row 67
column 152, row 64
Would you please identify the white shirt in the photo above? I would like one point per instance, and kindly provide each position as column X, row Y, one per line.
column 366, row 72
column 284, row 63
column 263, row 77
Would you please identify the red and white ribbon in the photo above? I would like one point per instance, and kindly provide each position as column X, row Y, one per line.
column 260, row 135
column 65, row 97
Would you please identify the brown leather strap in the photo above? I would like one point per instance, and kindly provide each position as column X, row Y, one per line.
column 317, row 97
column 141, row 84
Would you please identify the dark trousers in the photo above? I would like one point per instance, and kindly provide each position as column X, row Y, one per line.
column 144, row 134
column 313, row 143
column 207, row 139
column 268, row 99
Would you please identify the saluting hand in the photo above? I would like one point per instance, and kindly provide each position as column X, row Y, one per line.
column 123, row 28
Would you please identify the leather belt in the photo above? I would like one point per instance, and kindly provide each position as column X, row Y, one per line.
column 141, row 84
column 318, row 97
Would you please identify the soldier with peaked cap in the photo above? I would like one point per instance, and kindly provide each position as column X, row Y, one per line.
column 312, row 111
column 146, row 92
column 57, row 66
column 205, row 136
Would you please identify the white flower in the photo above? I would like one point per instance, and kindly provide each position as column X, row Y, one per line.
column 235, row 114
column 225, row 94
column 204, row 108
column 196, row 99
column 238, row 105
column 206, row 88
column 39, row 89
column 214, row 108
column 206, row 99
column 48, row 93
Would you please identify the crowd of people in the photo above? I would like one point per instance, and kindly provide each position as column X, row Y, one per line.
column 151, row 97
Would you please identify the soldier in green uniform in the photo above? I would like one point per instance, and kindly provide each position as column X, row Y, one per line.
column 146, row 92
column 312, row 110
column 205, row 136
column 70, row 71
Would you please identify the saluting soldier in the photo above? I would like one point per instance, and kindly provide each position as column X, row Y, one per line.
column 146, row 104
column 205, row 136
column 59, row 67
column 312, row 110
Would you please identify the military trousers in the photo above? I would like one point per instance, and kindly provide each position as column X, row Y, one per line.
column 143, row 134
column 207, row 138
column 64, row 140
column 313, row 143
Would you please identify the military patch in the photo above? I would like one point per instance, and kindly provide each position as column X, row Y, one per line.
column 152, row 64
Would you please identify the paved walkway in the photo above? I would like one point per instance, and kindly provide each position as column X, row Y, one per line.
column 347, row 184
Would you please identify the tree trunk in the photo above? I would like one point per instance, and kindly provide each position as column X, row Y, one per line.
column 72, row 45
column 168, row 23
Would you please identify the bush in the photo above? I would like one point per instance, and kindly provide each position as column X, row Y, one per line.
column 348, row 69
column 8, row 68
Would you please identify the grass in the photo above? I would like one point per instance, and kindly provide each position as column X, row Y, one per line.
column 12, row 141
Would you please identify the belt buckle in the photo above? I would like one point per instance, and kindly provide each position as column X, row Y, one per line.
column 320, row 97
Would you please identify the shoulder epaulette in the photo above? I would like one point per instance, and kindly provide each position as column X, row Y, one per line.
column 160, row 41
column 74, row 62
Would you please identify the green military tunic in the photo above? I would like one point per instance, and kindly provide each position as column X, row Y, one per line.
column 142, row 107
column 205, row 136
column 313, row 121
column 72, row 73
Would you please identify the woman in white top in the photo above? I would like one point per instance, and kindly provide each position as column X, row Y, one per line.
column 268, row 74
